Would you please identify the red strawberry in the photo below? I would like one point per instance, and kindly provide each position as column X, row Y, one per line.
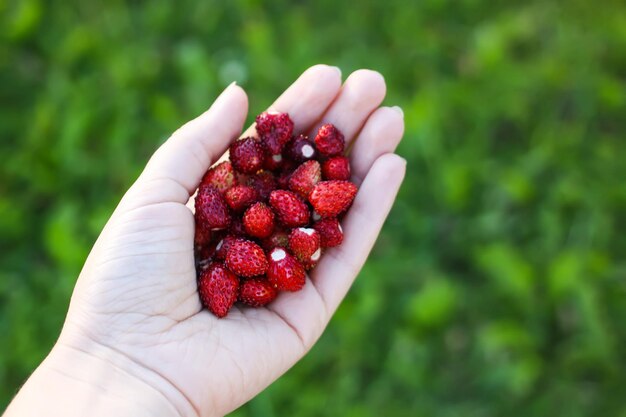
column 247, row 155
column 329, row 140
column 278, row 238
column 300, row 149
column 329, row 198
column 263, row 182
column 246, row 258
column 291, row 211
column 222, row 247
column 256, row 292
column 330, row 232
column 221, row 176
column 218, row 288
column 274, row 129
column 284, row 271
column 305, row 178
column 310, row 263
column 211, row 209
column 336, row 168
column 202, row 235
column 303, row 243
column 273, row 162
column 240, row 197
column 237, row 228
column 258, row 220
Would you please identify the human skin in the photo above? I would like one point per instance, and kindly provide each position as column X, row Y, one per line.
column 136, row 340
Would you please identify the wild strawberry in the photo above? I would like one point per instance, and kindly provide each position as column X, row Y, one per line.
column 305, row 178
column 329, row 140
column 273, row 162
column 300, row 149
column 240, row 197
column 221, row 176
column 258, row 220
column 330, row 198
column 222, row 247
column 263, row 182
column 256, row 292
column 202, row 235
column 236, row 227
column 218, row 288
column 211, row 209
column 276, row 239
column 291, row 211
column 330, row 232
column 310, row 263
column 336, row 168
column 274, row 129
column 303, row 243
column 285, row 272
column 246, row 258
column 247, row 155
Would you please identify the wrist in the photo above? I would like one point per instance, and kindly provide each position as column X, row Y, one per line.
column 75, row 382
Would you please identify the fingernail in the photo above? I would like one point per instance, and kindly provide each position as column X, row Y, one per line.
column 231, row 84
column 338, row 70
column 399, row 110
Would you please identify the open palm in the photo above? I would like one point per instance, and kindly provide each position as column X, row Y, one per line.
column 136, row 298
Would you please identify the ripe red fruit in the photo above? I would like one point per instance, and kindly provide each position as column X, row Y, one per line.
column 275, row 130
column 202, row 235
column 240, row 197
column 310, row 263
column 330, row 198
column 336, row 168
column 247, row 155
column 284, row 271
column 273, row 162
column 218, row 288
column 330, row 231
column 303, row 243
column 258, row 220
column 256, row 292
column 263, row 182
column 246, row 258
column 305, row 178
column 291, row 211
column 221, row 176
column 300, row 149
column 211, row 209
column 329, row 140
column 222, row 247
column 278, row 238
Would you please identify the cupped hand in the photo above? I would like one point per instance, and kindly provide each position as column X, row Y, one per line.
column 136, row 305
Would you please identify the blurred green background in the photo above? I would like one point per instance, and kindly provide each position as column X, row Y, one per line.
column 498, row 285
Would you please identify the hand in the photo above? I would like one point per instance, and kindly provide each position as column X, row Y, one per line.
column 135, row 320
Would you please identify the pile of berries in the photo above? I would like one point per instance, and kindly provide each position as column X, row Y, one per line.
column 264, row 217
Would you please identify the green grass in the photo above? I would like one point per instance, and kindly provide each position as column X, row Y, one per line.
column 498, row 285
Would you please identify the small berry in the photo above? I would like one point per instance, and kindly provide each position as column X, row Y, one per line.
column 222, row 247
column 246, row 258
column 301, row 149
column 202, row 235
column 218, row 289
column 256, row 292
column 330, row 198
column 258, row 220
column 310, row 263
column 303, row 243
column 336, row 168
column 263, row 182
column 330, row 232
column 247, row 155
column 240, row 197
column 291, row 211
column 285, row 272
column 274, row 129
column 305, row 178
column 221, row 176
column 273, row 162
column 211, row 209
column 236, row 227
column 329, row 140
column 276, row 239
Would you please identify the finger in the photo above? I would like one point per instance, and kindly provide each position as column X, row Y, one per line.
column 380, row 135
column 340, row 265
column 309, row 310
column 360, row 95
column 307, row 98
column 176, row 168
